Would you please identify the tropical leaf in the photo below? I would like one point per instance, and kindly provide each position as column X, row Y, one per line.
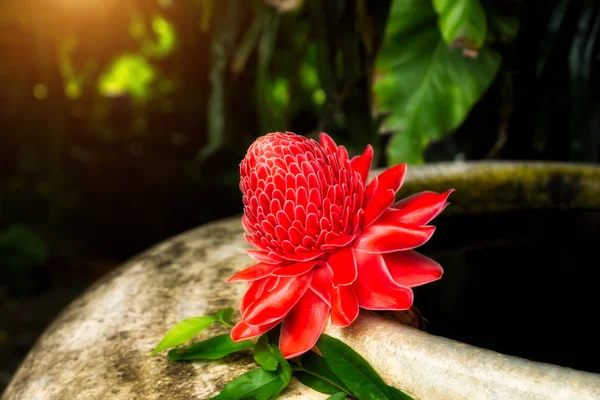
column 258, row 384
column 356, row 373
column 427, row 87
column 316, row 374
column 462, row 22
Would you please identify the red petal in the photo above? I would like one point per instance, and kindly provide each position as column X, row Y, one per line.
column 340, row 241
column 243, row 331
column 307, row 256
column 247, row 225
column 389, row 181
column 303, row 325
column 380, row 238
column 409, row 268
column 417, row 209
column 344, row 306
column 362, row 164
column 295, row 269
column 343, row 266
column 370, row 191
column 375, row 289
column 254, row 291
column 254, row 272
column 378, row 204
column 274, row 305
column 392, row 178
column 327, row 141
column 321, row 284
column 263, row 256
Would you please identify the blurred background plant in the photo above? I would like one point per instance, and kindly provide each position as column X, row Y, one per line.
column 123, row 122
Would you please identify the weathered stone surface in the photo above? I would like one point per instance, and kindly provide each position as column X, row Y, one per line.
column 97, row 349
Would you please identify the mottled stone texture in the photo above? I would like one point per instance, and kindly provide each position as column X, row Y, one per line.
column 97, row 349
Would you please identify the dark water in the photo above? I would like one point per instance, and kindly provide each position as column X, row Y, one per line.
column 521, row 283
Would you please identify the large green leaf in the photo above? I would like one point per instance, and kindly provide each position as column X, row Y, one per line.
column 210, row 349
column 427, row 87
column 316, row 374
column 396, row 394
column 188, row 328
column 462, row 22
column 356, row 373
column 258, row 384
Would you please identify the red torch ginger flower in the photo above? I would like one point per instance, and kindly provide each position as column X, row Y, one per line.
column 327, row 243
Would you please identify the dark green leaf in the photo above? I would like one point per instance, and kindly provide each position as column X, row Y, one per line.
column 316, row 374
column 285, row 370
column 269, row 357
column 258, row 384
column 428, row 87
column 263, row 355
column 188, row 328
column 353, row 370
column 462, row 21
column 210, row 349
column 316, row 383
column 397, row 394
column 337, row 396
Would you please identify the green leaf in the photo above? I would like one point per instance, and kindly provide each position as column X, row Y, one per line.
column 315, row 383
column 427, row 87
column 353, row 370
column 316, row 374
column 269, row 357
column 397, row 394
column 462, row 22
column 224, row 316
column 263, row 355
column 337, row 396
column 210, row 349
column 188, row 328
column 258, row 384
column 284, row 370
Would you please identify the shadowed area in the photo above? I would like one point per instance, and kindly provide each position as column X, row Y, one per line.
column 521, row 283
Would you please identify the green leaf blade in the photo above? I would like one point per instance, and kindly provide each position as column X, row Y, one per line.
column 270, row 359
column 285, row 371
column 258, row 384
column 462, row 21
column 210, row 349
column 337, row 396
column 224, row 316
column 316, row 374
column 356, row 373
column 188, row 328
column 316, row 383
column 396, row 394
column 263, row 355
column 427, row 87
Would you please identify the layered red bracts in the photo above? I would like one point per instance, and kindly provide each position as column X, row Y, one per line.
column 326, row 241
